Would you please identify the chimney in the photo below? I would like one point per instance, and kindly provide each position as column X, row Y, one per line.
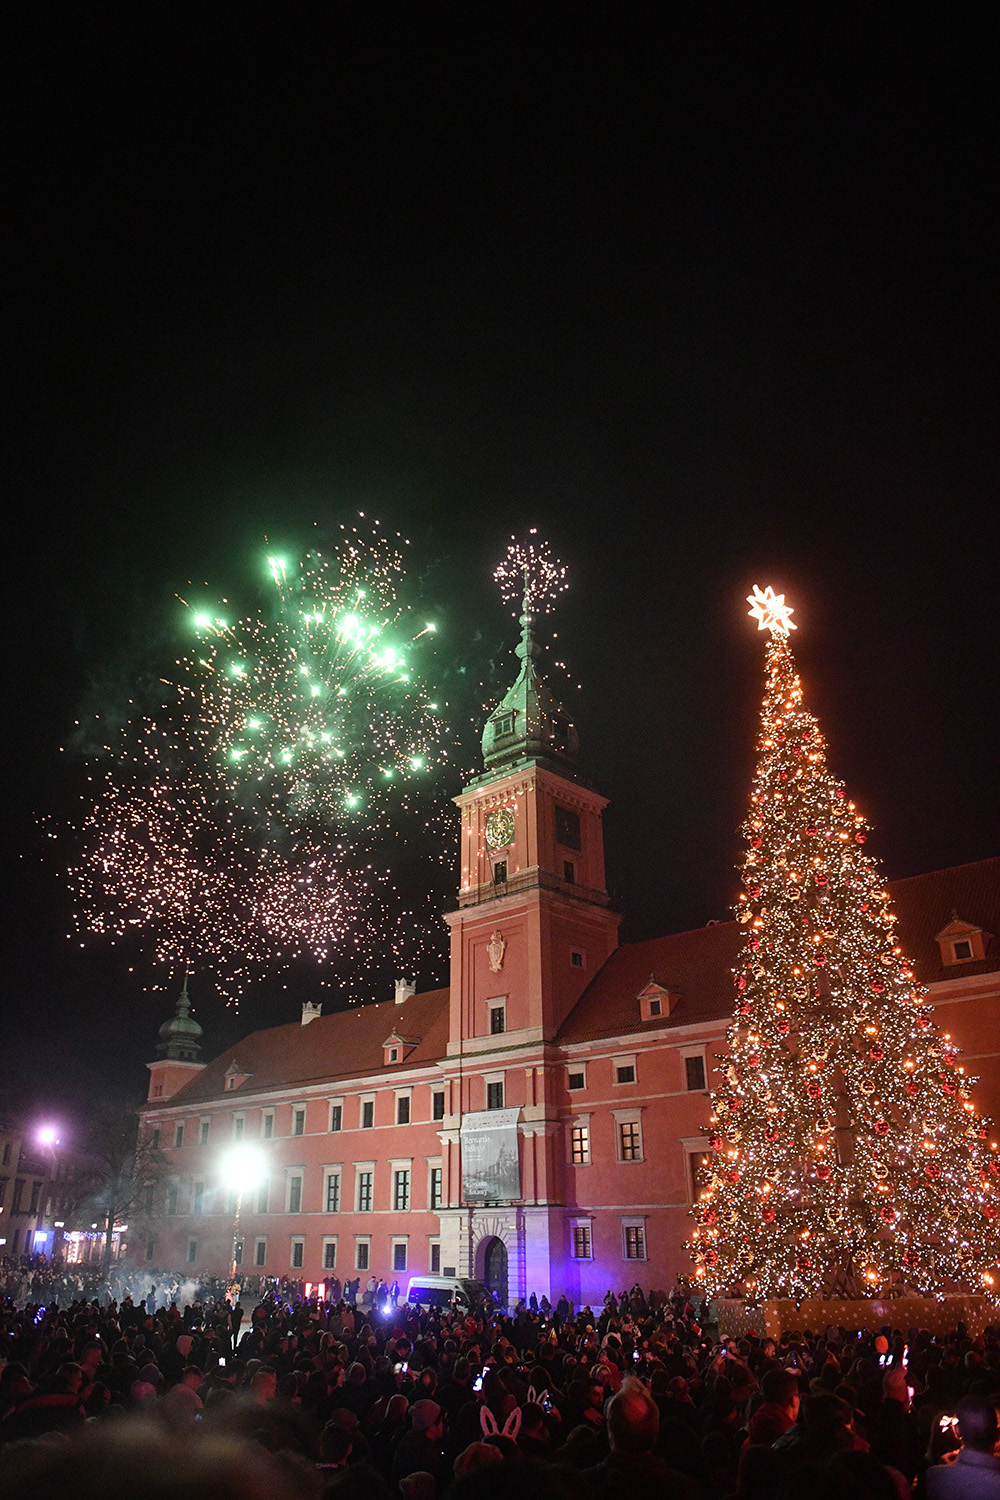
column 310, row 1011
column 404, row 989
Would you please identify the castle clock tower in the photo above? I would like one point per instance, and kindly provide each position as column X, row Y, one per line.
column 531, row 930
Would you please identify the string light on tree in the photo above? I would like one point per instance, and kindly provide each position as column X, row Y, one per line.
column 846, row 1154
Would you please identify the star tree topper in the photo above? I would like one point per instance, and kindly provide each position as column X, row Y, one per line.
column 770, row 611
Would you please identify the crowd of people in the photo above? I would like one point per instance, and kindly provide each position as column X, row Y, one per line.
column 295, row 1399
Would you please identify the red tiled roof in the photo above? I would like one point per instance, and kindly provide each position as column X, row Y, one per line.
column 343, row 1045
column 696, row 966
column 927, row 903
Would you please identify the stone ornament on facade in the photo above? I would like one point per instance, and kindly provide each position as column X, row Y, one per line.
column 495, row 950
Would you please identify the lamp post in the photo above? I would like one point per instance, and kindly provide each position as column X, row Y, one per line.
column 243, row 1167
column 47, row 1136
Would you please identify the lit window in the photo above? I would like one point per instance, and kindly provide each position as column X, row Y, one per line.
column 581, row 1242
column 635, row 1241
column 629, row 1140
column 436, row 1187
column 401, row 1190
column 580, row 1145
column 364, row 1192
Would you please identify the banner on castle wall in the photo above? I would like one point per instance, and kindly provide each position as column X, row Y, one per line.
column 490, row 1166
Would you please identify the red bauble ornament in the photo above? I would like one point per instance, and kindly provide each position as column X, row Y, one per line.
column 803, row 1263
column 864, row 906
column 780, row 738
column 783, row 1028
column 823, row 1172
column 753, row 1061
column 811, row 831
column 888, row 1215
column 949, row 1059
column 732, row 1176
column 840, row 794
column 710, row 1217
column 924, row 1023
column 877, row 987
column 715, row 1142
column 822, row 878
column 912, row 1087
column 949, row 1086
column 932, row 1171
column 820, row 958
column 754, row 944
column 989, row 1211
column 743, row 1009
column 814, row 1089
column 767, row 1214
column 772, row 1133
column 757, row 842
column 876, row 1054
column 711, row 1258
column 993, row 1167
column 911, row 1260
column 859, row 838
column 734, row 1103
column 741, row 982
column 881, row 1127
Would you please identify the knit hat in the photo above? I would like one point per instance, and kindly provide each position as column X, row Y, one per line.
column 424, row 1414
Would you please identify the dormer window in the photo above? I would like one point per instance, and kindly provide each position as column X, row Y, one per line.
column 655, row 1002
column 234, row 1076
column 396, row 1048
column 961, row 943
column 503, row 726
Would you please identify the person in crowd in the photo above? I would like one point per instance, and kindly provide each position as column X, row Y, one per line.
column 974, row 1472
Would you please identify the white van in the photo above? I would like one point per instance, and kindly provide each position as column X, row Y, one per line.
column 446, row 1291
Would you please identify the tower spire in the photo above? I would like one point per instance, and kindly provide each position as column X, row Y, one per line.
column 529, row 723
column 180, row 1037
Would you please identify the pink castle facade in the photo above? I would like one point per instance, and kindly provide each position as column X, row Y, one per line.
column 537, row 1124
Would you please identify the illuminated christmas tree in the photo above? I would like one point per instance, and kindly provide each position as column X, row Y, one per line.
column 846, row 1155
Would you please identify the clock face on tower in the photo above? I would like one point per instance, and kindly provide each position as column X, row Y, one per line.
column 500, row 828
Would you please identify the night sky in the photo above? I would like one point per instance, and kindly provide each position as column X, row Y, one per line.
column 711, row 303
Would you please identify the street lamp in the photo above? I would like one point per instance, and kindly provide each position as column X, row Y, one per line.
column 47, row 1136
column 242, row 1167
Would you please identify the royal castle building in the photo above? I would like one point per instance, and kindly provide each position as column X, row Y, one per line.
column 538, row 1123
